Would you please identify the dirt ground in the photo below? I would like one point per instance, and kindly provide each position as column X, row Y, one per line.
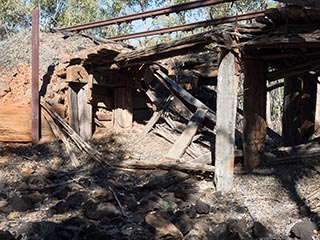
column 43, row 197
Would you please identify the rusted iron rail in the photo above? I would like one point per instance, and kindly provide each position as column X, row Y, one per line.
column 190, row 26
column 144, row 15
column 35, row 118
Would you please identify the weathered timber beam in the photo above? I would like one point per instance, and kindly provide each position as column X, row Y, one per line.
column 226, row 121
column 294, row 70
column 186, row 96
column 304, row 3
column 275, row 86
column 317, row 113
column 185, row 166
column 254, row 109
column 180, row 146
column 178, row 47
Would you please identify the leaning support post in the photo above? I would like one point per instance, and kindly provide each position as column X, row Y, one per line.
column 317, row 113
column 35, row 104
column 254, row 108
column 226, row 121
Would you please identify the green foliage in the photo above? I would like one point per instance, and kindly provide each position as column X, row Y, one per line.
column 14, row 15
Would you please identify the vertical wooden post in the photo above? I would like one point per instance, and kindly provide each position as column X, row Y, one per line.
column 298, row 121
column 290, row 121
column 317, row 114
column 73, row 106
column 35, row 104
column 254, row 111
column 226, row 121
column 85, row 111
column 123, row 109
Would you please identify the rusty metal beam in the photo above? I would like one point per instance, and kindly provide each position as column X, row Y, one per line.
column 147, row 14
column 35, row 78
column 190, row 26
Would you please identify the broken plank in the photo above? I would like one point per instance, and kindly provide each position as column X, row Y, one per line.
column 156, row 115
column 187, row 96
column 161, row 131
column 178, row 149
column 60, row 136
column 83, row 145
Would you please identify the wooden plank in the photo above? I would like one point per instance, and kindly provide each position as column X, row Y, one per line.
column 85, row 112
column 15, row 123
column 186, row 96
column 254, row 130
column 165, row 164
column 35, row 77
column 73, row 106
column 317, row 113
column 226, row 121
column 83, row 145
column 60, row 136
column 179, row 148
column 123, row 112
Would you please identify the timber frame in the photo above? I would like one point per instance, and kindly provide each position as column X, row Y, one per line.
column 283, row 45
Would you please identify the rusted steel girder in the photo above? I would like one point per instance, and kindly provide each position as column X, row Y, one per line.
column 147, row 14
column 190, row 26
column 35, row 104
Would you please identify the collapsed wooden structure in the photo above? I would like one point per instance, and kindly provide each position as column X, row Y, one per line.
column 283, row 46
column 115, row 84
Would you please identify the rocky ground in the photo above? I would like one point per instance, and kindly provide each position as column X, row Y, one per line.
column 43, row 197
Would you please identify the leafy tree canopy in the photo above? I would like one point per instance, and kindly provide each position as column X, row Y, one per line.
column 15, row 14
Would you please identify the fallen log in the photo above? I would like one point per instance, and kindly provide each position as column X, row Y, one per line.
column 165, row 165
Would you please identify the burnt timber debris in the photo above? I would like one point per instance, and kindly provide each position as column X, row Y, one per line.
column 113, row 84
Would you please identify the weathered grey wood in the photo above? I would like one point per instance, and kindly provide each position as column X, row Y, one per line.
column 166, row 165
column 254, row 131
column 156, row 115
column 123, row 112
column 317, row 114
column 226, row 121
column 83, row 145
column 178, row 149
column 161, row 131
column 186, row 96
column 60, row 136
column 85, row 112
column 73, row 106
